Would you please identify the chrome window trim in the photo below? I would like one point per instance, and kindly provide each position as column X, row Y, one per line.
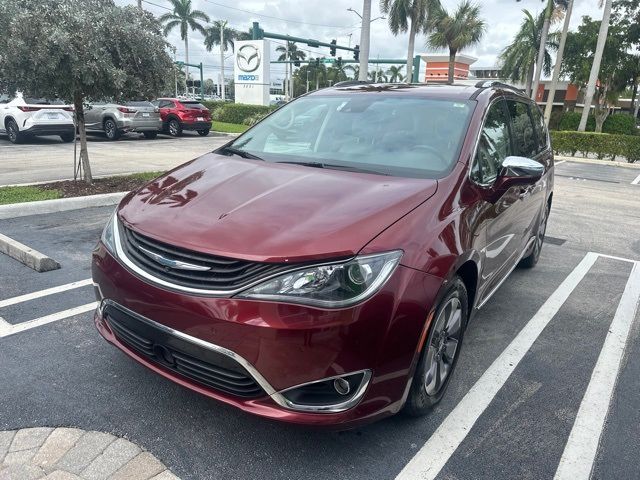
column 276, row 396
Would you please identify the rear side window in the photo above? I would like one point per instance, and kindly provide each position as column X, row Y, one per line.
column 494, row 145
column 540, row 128
column 522, row 129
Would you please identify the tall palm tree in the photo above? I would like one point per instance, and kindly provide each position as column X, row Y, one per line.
column 558, row 65
column 186, row 19
column 595, row 67
column 457, row 31
column 408, row 15
column 395, row 74
column 518, row 60
column 354, row 69
column 292, row 53
column 220, row 35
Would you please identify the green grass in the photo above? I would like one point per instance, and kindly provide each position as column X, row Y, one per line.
column 26, row 194
column 229, row 127
column 144, row 176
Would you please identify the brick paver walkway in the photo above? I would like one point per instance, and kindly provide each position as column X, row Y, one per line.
column 74, row 454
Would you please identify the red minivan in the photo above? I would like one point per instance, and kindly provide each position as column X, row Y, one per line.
column 178, row 115
column 321, row 268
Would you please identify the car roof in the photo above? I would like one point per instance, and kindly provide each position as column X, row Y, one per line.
column 432, row 90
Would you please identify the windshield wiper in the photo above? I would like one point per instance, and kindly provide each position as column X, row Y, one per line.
column 239, row 152
column 333, row 166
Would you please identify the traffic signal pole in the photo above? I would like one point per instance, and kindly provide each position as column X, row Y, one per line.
column 199, row 66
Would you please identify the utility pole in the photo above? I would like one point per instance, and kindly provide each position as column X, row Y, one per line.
column 307, row 79
column 223, row 25
column 287, row 86
column 365, row 37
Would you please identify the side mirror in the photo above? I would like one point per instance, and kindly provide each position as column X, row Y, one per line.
column 517, row 170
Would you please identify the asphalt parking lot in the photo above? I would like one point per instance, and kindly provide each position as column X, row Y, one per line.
column 528, row 399
column 46, row 159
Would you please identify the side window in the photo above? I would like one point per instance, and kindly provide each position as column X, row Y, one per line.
column 166, row 104
column 541, row 128
column 494, row 145
column 524, row 140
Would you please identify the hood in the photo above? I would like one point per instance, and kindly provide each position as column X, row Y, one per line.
column 263, row 211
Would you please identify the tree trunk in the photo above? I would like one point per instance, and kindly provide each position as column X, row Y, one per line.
column 633, row 97
column 595, row 68
column 412, row 43
column 84, row 153
column 529, row 79
column 140, row 4
column 365, row 36
column 542, row 48
column 558, row 65
column 224, row 96
column 452, row 66
column 186, row 56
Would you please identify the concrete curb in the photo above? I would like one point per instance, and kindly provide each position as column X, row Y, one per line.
column 52, row 206
column 594, row 161
column 27, row 256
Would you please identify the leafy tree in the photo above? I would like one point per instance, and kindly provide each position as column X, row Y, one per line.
column 409, row 15
column 184, row 18
column 578, row 61
column 221, row 35
column 517, row 60
column 456, row 31
column 626, row 13
column 395, row 74
column 289, row 52
column 83, row 49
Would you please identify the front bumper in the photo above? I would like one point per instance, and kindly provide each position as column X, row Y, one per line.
column 49, row 129
column 282, row 345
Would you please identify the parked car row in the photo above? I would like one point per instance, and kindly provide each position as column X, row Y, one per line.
column 23, row 117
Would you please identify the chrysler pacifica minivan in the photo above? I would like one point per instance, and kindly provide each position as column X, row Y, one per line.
column 321, row 268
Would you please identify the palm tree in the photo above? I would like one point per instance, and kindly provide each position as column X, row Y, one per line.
column 378, row 76
column 289, row 52
column 219, row 34
column 518, row 59
column 185, row 18
column 408, row 15
column 395, row 74
column 354, row 69
column 558, row 65
column 595, row 67
column 456, row 32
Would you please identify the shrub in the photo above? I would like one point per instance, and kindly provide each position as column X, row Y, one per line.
column 237, row 112
column 603, row 145
column 620, row 124
column 255, row 118
column 571, row 121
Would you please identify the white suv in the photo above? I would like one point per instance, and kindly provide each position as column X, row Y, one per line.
column 22, row 117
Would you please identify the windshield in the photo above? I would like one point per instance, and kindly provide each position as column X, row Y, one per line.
column 392, row 135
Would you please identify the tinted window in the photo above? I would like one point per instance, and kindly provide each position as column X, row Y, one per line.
column 540, row 128
column 390, row 134
column 494, row 145
column 194, row 105
column 524, row 140
column 42, row 101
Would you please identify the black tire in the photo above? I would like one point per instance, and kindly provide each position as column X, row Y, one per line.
column 67, row 137
column 440, row 351
column 150, row 135
column 532, row 259
column 174, row 128
column 204, row 133
column 13, row 132
column 111, row 129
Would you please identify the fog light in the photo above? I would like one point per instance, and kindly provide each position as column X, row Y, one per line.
column 341, row 386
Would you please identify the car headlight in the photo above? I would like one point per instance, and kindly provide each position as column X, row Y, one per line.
column 108, row 235
column 332, row 285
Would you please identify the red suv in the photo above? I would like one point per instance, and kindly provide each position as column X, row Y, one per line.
column 178, row 115
column 321, row 268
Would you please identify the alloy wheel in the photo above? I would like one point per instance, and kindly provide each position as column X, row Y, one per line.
column 173, row 128
column 443, row 346
column 110, row 129
column 12, row 132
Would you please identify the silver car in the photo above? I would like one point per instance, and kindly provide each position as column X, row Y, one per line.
column 114, row 119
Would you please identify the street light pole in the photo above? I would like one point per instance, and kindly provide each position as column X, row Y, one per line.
column 365, row 37
column 307, row 79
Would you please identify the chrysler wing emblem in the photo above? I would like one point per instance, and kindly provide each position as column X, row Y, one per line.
column 174, row 264
column 248, row 58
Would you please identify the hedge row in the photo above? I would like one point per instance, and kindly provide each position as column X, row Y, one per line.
column 618, row 123
column 235, row 112
column 603, row 145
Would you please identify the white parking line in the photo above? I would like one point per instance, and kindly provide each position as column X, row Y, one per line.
column 7, row 329
column 435, row 453
column 636, row 181
column 581, row 448
column 44, row 293
column 559, row 163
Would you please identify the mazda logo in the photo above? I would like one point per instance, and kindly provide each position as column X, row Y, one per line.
column 248, row 58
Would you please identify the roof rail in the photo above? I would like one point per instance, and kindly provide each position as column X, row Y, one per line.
column 494, row 83
column 351, row 83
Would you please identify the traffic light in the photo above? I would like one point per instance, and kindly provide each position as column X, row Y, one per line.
column 296, row 63
column 339, row 62
column 356, row 53
column 333, row 48
column 318, row 62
